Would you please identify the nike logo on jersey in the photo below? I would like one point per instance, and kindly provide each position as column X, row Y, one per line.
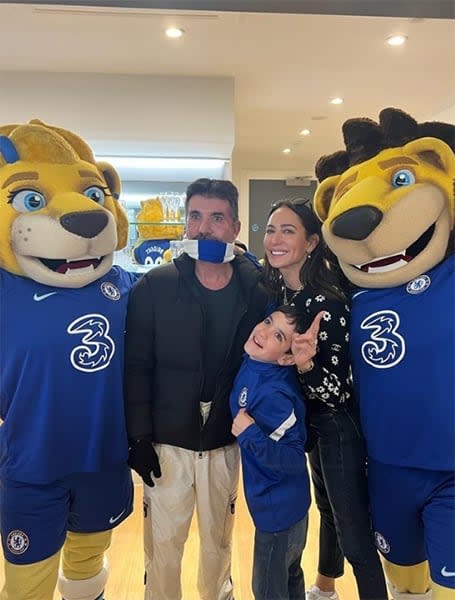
column 446, row 573
column 39, row 297
column 113, row 520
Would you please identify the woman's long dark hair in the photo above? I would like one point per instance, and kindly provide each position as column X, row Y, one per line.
column 321, row 272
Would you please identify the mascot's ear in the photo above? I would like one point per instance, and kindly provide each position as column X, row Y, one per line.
column 113, row 182
column 433, row 151
column 324, row 195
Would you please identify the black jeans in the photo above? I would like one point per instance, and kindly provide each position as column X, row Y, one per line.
column 277, row 574
column 338, row 471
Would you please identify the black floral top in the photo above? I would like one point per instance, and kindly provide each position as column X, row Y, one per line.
column 330, row 380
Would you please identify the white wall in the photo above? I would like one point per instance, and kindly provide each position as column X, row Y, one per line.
column 140, row 115
column 446, row 116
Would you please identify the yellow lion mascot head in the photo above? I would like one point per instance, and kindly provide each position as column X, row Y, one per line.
column 387, row 202
column 60, row 220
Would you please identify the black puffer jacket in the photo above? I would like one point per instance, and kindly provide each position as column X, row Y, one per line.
column 164, row 355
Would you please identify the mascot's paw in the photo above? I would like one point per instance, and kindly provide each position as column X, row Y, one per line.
column 167, row 256
column 396, row 595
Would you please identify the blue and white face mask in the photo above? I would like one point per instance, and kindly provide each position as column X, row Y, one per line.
column 212, row 251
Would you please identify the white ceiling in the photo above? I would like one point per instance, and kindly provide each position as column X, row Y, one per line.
column 286, row 67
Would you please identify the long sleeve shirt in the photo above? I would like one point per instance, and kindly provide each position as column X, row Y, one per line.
column 273, row 457
column 330, row 380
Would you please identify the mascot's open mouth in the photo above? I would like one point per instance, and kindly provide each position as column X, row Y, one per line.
column 399, row 259
column 67, row 265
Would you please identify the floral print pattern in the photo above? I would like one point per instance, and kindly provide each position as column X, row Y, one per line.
column 330, row 380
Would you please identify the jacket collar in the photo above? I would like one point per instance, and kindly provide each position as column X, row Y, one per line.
column 248, row 273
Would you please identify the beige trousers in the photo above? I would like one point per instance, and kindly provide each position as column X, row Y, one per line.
column 205, row 480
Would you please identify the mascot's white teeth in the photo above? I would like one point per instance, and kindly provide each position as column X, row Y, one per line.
column 63, row 266
column 70, row 260
column 386, row 263
column 80, row 265
column 87, row 269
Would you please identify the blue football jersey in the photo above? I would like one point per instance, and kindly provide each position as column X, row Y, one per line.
column 151, row 252
column 275, row 475
column 402, row 351
column 61, row 386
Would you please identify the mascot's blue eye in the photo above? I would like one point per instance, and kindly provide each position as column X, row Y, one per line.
column 402, row 178
column 27, row 200
column 96, row 194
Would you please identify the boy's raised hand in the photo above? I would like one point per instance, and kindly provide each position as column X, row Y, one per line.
column 304, row 345
column 241, row 422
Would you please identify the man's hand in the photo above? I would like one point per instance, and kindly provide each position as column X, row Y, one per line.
column 241, row 422
column 144, row 460
column 304, row 345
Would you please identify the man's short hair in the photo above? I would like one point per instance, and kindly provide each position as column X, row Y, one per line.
column 215, row 188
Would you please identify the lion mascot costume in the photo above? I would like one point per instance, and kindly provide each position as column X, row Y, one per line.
column 153, row 245
column 65, row 482
column 387, row 206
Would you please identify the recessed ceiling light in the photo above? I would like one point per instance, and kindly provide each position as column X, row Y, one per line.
column 336, row 100
column 286, row 150
column 174, row 32
column 397, row 39
column 305, row 132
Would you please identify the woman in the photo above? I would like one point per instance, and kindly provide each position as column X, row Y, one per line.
column 298, row 273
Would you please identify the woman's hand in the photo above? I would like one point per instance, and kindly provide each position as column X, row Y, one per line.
column 241, row 422
column 304, row 345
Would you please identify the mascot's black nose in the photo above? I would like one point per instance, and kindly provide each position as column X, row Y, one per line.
column 357, row 223
column 86, row 224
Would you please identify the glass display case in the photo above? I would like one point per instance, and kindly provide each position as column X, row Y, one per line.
column 156, row 226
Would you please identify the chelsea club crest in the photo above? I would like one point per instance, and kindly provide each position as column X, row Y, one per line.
column 381, row 542
column 17, row 542
column 418, row 285
column 110, row 290
column 243, row 397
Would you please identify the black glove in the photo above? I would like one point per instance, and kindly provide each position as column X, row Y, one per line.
column 144, row 460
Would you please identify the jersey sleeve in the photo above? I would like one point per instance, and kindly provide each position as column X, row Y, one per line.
column 277, row 437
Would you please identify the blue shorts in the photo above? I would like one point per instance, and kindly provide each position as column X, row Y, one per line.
column 414, row 517
column 34, row 519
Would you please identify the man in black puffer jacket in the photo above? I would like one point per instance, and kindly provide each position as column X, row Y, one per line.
column 186, row 327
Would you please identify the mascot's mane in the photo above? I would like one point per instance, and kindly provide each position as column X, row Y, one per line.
column 59, row 171
column 39, row 142
column 364, row 139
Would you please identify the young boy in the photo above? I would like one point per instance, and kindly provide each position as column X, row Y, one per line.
column 269, row 423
